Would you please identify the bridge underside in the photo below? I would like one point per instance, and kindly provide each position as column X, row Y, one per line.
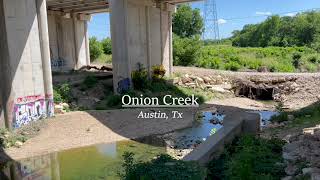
column 38, row 36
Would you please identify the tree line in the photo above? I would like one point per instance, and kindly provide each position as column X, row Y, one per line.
column 300, row 30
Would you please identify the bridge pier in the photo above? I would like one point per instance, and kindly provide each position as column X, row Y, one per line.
column 141, row 33
column 26, row 87
column 40, row 36
column 69, row 40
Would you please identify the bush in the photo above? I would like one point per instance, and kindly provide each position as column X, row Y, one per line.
column 96, row 48
column 89, row 82
column 296, row 60
column 61, row 93
column 186, row 51
column 163, row 167
column 139, row 77
column 107, row 46
column 232, row 66
column 313, row 59
column 249, row 157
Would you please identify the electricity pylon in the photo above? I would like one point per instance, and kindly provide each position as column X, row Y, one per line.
column 211, row 23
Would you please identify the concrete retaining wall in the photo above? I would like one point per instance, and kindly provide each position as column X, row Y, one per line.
column 234, row 125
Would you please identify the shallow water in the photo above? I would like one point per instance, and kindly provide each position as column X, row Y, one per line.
column 266, row 117
column 104, row 161
column 94, row 162
column 200, row 131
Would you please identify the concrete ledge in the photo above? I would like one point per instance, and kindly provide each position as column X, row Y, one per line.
column 234, row 125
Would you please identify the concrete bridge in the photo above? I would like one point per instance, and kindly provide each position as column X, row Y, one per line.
column 38, row 36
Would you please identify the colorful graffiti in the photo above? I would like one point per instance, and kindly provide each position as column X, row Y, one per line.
column 41, row 167
column 32, row 108
column 57, row 63
column 123, row 85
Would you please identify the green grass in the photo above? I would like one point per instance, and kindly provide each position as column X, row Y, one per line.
column 305, row 117
column 276, row 59
column 104, row 59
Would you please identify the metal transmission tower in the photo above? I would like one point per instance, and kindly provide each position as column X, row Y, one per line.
column 211, row 23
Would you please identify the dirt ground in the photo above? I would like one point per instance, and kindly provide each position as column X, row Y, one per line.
column 307, row 85
column 77, row 129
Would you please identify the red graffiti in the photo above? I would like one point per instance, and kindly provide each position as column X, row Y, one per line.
column 29, row 98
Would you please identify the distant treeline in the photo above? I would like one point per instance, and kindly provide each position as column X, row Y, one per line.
column 300, row 30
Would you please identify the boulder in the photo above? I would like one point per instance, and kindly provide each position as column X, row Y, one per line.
column 206, row 79
column 291, row 169
column 186, row 80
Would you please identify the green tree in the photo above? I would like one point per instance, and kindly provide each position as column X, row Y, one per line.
column 96, row 48
column 107, row 46
column 187, row 22
column 300, row 30
column 186, row 51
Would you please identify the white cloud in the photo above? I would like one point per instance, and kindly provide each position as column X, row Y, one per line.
column 264, row 13
column 291, row 14
column 222, row 21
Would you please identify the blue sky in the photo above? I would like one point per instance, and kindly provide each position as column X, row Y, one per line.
column 232, row 14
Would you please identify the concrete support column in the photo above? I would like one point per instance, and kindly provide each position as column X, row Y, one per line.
column 68, row 40
column 141, row 34
column 45, row 54
column 25, row 66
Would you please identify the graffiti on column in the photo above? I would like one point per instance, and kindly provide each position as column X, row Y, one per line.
column 57, row 63
column 123, row 85
column 32, row 108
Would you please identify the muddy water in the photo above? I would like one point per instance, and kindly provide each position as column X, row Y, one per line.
column 104, row 161
column 93, row 162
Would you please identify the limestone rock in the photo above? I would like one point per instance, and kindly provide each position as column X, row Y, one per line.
column 18, row 143
column 291, row 170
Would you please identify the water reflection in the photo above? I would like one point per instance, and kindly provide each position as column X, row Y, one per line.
column 93, row 162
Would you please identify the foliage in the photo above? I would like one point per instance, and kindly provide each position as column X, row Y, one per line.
column 282, row 117
column 158, row 88
column 305, row 117
column 158, row 72
column 107, row 46
column 249, row 157
column 296, row 60
column 8, row 139
column 187, row 22
column 275, row 59
column 186, row 51
column 300, row 30
column 95, row 47
column 89, row 82
column 163, row 167
column 61, row 93
column 139, row 77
